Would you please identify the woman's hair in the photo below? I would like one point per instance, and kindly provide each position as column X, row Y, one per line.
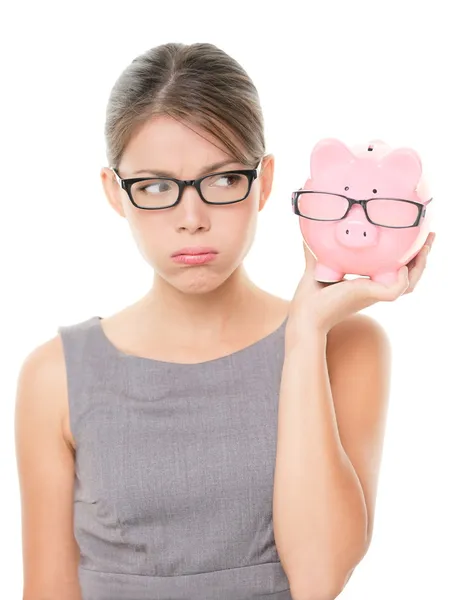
column 197, row 84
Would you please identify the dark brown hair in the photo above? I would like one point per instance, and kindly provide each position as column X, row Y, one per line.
column 197, row 84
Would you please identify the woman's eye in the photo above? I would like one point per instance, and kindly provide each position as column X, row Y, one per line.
column 224, row 178
column 155, row 188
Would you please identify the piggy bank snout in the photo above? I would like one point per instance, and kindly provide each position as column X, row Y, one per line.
column 356, row 233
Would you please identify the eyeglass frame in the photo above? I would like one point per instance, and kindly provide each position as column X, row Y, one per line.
column 126, row 184
column 363, row 203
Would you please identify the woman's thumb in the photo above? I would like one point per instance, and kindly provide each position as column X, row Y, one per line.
column 310, row 261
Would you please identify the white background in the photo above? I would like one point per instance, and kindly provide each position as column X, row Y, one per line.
column 352, row 70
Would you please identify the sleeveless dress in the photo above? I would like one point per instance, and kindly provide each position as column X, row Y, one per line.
column 175, row 469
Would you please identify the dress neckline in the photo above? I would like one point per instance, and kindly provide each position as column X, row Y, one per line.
column 107, row 343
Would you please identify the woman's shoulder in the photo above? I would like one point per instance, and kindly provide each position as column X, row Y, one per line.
column 42, row 385
column 46, row 468
column 361, row 338
column 356, row 329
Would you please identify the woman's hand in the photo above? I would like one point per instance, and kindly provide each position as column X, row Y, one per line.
column 323, row 305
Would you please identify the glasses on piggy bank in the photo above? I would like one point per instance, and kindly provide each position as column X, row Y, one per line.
column 384, row 212
column 363, row 209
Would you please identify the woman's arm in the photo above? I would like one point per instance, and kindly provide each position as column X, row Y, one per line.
column 332, row 408
column 46, row 475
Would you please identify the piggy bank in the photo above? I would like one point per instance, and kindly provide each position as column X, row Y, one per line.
column 363, row 209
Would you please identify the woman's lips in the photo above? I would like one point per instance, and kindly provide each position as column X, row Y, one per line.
column 195, row 250
column 194, row 259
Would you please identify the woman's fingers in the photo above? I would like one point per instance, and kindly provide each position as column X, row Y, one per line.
column 417, row 270
column 370, row 291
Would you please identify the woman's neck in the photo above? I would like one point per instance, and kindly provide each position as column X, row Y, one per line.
column 208, row 313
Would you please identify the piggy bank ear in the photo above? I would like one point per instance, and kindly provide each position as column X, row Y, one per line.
column 329, row 152
column 405, row 163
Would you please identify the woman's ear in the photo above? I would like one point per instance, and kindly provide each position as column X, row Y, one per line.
column 112, row 190
column 266, row 179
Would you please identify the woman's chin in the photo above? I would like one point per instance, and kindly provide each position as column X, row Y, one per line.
column 196, row 280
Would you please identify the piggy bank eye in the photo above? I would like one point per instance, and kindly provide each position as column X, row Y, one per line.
column 346, row 188
column 374, row 191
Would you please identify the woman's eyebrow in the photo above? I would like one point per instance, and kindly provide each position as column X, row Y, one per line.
column 204, row 171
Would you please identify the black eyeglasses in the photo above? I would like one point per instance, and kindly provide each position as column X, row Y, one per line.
column 395, row 213
column 155, row 193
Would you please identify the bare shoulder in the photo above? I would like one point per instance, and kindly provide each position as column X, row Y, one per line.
column 42, row 385
column 358, row 334
column 46, row 469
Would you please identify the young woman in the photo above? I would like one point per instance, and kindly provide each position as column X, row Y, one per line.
column 211, row 440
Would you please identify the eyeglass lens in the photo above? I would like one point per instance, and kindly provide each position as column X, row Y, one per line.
column 382, row 211
column 218, row 189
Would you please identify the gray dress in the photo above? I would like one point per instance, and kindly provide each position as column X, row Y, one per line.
column 174, row 471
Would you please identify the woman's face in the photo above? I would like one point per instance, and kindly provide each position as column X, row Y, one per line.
column 164, row 144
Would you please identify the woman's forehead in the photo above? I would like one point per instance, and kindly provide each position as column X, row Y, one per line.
column 163, row 145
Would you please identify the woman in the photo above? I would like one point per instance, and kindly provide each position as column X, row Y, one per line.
column 210, row 440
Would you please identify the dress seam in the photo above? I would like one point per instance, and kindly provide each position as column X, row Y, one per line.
column 276, row 562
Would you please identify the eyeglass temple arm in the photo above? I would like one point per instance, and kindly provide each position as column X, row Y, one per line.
column 116, row 175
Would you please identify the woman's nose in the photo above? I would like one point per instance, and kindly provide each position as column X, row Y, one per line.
column 192, row 211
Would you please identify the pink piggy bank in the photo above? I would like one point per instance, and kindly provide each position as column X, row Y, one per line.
column 363, row 210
